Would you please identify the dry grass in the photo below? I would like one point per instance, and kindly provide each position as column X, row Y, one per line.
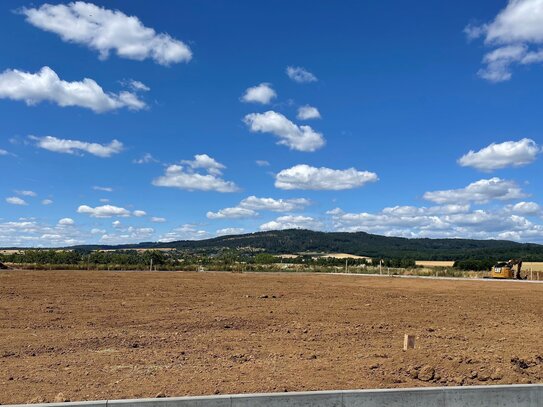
column 433, row 263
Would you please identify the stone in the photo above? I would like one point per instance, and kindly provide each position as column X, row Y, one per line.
column 426, row 373
column 60, row 398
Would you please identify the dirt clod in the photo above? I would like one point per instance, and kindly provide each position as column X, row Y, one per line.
column 426, row 373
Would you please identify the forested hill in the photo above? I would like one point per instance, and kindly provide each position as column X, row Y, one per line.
column 359, row 243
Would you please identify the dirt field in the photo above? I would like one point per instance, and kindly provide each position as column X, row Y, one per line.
column 100, row 335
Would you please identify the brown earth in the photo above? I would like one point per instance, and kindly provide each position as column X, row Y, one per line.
column 105, row 335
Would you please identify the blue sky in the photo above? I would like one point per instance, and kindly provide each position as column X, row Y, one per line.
column 189, row 125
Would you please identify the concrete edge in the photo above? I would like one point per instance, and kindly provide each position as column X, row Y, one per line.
column 337, row 393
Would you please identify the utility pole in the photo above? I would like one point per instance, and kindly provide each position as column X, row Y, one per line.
column 151, row 265
column 346, row 265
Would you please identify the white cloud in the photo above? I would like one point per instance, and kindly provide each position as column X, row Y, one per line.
column 206, row 162
column 66, row 222
column 262, row 93
column 157, row 219
column 186, row 177
column 47, row 202
column 107, row 30
column 127, row 235
column 274, row 205
column 67, row 146
column 303, row 176
column 26, row 193
column 480, row 191
column 45, row 85
column 229, row 231
column 507, row 154
column 4, row 152
column 139, row 213
column 96, row 231
column 104, row 211
column 232, row 213
column 185, row 232
column 301, row 138
column 15, row 200
column 525, row 208
column 249, row 206
column 262, row 163
column 515, row 31
column 300, row 75
column 103, row 189
column 138, row 86
column 104, row 200
column 117, row 224
column 439, row 222
column 308, row 112
column 146, row 159
column 292, row 222
column 29, row 232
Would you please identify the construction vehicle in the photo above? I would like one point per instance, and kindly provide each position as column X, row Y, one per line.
column 508, row 270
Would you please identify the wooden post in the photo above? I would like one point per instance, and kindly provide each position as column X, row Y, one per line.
column 408, row 342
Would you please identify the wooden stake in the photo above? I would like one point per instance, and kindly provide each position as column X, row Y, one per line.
column 408, row 342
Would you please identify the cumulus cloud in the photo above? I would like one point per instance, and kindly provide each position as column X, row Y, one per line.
column 45, row 85
column 301, row 138
column 66, row 222
column 303, row 176
column 300, row 75
column 525, row 208
column 274, row 205
column 232, row 213
column 516, row 34
column 139, row 213
column 481, row 191
column 292, row 222
column 26, row 193
column 229, row 231
column 308, row 112
column 444, row 221
column 130, row 234
column 15, row 200
column 205, row 162
column 185, row 232
column 104, row 211
column 507, row 154
column 138, row 86
column 105, row 30
column 46, row 201
column 262, row 163
column 145, row 159
column 157, row 219
column 262, row 93
column 29, row 232
column 249, row 206
column 186, row 176
column 4, row 152
column 67, row 146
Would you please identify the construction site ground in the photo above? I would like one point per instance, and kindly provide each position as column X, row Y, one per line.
column 67, row 335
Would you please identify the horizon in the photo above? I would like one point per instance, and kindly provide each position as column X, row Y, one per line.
column 124, row 123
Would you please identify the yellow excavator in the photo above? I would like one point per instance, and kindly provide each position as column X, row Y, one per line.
column 508, row 270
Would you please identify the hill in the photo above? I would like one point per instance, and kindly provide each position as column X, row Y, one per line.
column 358, row 243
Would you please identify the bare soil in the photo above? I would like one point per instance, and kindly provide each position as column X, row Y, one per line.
column 105, row 335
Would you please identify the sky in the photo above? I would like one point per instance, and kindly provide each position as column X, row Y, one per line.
column 129, row 121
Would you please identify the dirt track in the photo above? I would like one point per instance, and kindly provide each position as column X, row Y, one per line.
column 100, row 335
